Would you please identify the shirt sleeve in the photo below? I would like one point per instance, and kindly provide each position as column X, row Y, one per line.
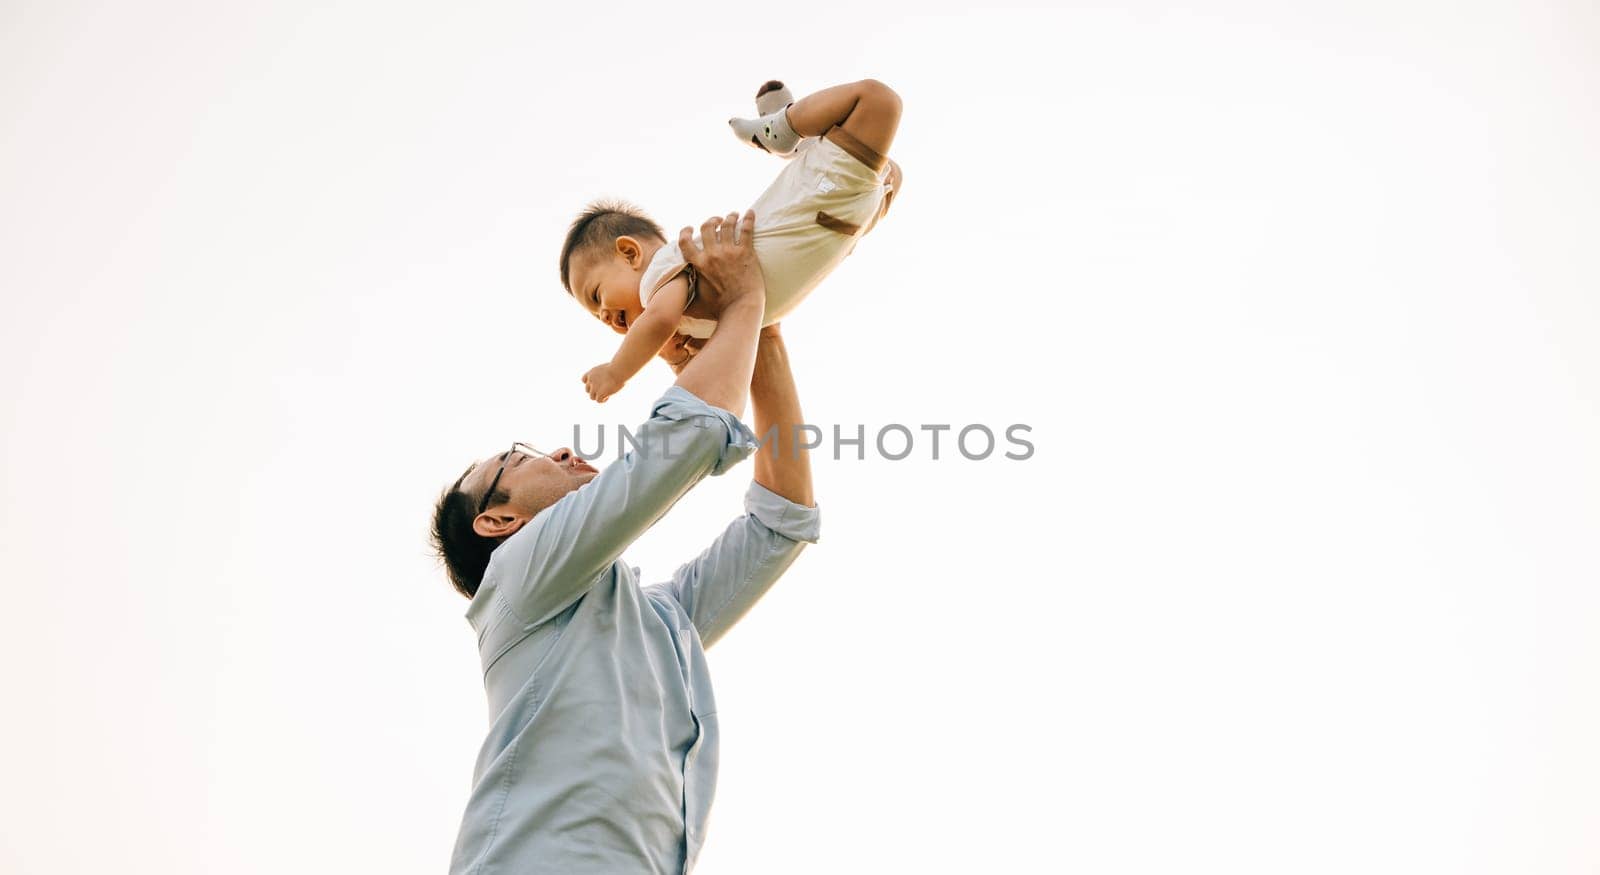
column 719, row 586
column 557, row 556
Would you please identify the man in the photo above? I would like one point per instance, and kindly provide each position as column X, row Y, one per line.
column 602, row 750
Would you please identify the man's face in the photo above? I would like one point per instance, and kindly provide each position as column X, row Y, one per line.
column 530, row 484
column 606, row 283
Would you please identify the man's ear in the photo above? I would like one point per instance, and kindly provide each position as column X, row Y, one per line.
column 504, row 523
column 630, row 250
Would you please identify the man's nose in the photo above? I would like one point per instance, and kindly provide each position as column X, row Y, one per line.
column 562, row 454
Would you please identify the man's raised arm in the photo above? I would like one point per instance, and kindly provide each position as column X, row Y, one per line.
column 784, row 464
column 722, row 583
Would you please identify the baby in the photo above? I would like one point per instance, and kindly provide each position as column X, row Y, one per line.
column 618, row 264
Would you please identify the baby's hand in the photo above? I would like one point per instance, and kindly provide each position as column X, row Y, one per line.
column 602, row 382
column 680, row 351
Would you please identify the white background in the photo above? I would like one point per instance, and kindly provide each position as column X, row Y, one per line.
column 1300, row 302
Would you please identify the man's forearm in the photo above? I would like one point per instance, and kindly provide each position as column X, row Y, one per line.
column 782, row 465
column 720, row 374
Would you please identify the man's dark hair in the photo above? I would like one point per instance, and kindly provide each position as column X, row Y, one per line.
column 464, row 551
column 599, row 225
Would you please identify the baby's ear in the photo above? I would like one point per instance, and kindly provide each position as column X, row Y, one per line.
column 630, row 250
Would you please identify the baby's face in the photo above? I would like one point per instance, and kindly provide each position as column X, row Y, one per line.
column 607, row 285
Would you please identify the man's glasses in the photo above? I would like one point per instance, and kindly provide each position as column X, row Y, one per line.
column 518, row 447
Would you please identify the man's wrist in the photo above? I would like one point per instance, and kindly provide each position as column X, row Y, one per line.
column 745, row 309
column 754, row 299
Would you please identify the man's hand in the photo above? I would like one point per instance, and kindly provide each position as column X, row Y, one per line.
column 602, row 382
column 727, row 264
column 732, row 287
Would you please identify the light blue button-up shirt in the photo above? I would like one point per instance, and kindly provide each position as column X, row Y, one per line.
column 602, row 748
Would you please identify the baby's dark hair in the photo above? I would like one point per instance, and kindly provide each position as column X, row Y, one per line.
column 599, row 225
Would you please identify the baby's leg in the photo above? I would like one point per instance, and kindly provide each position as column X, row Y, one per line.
column 867, row 110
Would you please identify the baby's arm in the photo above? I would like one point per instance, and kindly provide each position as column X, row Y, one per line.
column 651, row 331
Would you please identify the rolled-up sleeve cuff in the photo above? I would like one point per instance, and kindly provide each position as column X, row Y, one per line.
column 793, row 521
column 735, row 439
